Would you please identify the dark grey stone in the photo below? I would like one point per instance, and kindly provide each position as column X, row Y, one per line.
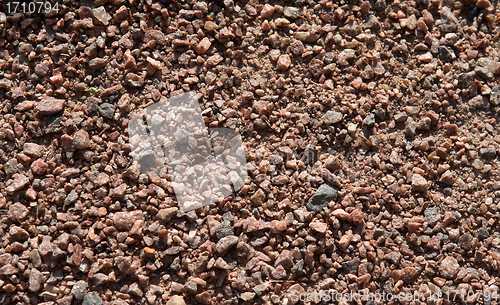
column 71, row 198
column 228, row 216
column 309, row 155
column 393, row 257
column 484, row 73
column 321, row 198
column 79, row 289
column 292, row 12
column 54, row 124
column 495, row 95
column 351, row 266
column 380, row 5
column 92, row 299
column 411, row 128
column 488, row 152
column 224, row 229
column 369, row 120
column 465, row 241
column 107, row 110
column 432, row 215
column 449, row 23
column 299, row 267
column 446, row 54
column 232, row 263
column 482, row 234
column 464, row 80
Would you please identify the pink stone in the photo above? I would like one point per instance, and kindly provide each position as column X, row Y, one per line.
column 408, row 274
column 340, row 214
column 5, row 259
column 155, row 35
column 77, row 255
column 356, row 217
column 177, row 300
column 421, row 26
column 17, row 212
column 203, row 298
column 25, row 105
column 67, row 142
column 18, row 233
column 418, row 183
column 46, row 246
column 33, row 149
column 101, row 179
column 126, row 220
column 56, row 79
column 98, row 63
column 483, row 4
column 278, row 226
column 225, row 243
column 447, row 178
column 214, row 60
column 119, row 191
column 23, row 158
column 319, row 227
column 363, row 190
column 126, row 264
column 18, row 130
column 18, row 184
column 134, row 80
column 42, row 68
column 251, row 225
column 265, row 26
column 121, row 13
column 274, row 54
column 345, row 240
column 203, row 46
column 295, row 289
column 434, row 243
column 137, row 227
column 356, row 83
column 8, row 270
column 129, row 60
column 50, row 105
column 284, row 62
column 35, row 280
column 86, row 23
column 278, row 273
column 316, row 67
column 259, row 197
column 81, row 139
column 267, row 11
column 112, row 90
column 39, row 167
column 449, row 267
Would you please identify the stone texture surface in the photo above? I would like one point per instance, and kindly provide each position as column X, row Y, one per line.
column 371, row 143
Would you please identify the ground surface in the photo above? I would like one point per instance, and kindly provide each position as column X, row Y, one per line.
column 391, row 107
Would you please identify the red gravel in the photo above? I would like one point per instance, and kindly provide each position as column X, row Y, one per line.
column 370, row 129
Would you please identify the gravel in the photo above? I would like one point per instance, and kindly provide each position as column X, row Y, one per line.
column 92, row 299
column 323, row 195
column 79, row 290
column 370, row 131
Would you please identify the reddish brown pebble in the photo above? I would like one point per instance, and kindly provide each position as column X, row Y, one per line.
column 50, row 105
column 448, row 268
column 284, row 62
column 203, row 46
column 81, row 139
column 39, row 167
column 419, row 183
